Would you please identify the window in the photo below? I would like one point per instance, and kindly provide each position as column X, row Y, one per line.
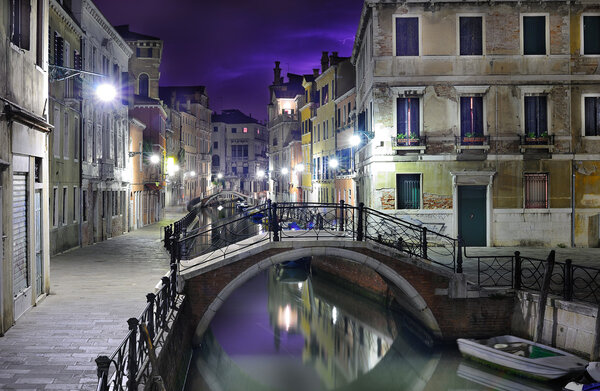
column 274, row 141
column 471, row 31
column 325, row 94
column 55, row 207
column 216, row 161
column 239, row 151
column 143, row 52
column 471, row 116
column 20, row 11
column 407, row 36
column 143, row 85
column 56, row 133
column 245, row 170
column 591, row 34
column 536, row 191
column 215, row 129
column 245, row 130
column 140, row 157
column 75, row 198
column 408, row 118
column 536, row 116
column 534, row 35
column 64, row 205
column 234, row 170
column 592, row 115
column 66, row 136
column 76, row 138
column 39, row 60
column 233, row 130
column 408, row 190
column 216, row 145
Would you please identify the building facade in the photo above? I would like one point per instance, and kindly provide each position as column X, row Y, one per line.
column 345, row 172
column 65, row 111
column 239, row 153
column 191, row 102
column 284, row 128
column 105, row 128
column 307, row 112
column 482, row 119
column 24, row 165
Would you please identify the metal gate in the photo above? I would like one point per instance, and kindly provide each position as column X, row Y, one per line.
column 20, row 259
column 39, row 259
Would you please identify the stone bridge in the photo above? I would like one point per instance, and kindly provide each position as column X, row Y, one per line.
column 435, row 296
column 223, row 195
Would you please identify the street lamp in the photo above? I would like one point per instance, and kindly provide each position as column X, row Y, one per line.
column 154, row 159
column 333, row 163
column 260, row 174
column 299, row 167
column 284, row 171
column 106, row 92
column 355, row 140
column 219, row 176
column 193, row 174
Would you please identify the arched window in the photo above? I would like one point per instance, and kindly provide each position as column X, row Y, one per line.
column 143, row 84
column 216, row 161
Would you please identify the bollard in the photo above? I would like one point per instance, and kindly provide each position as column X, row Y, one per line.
column 517, row 284
column 568, row 289
column 150, row 297
column 342, row 215
column 359, row 229
column 102, row 367
column 132, row 355
column 424, row 243
column 275, row 223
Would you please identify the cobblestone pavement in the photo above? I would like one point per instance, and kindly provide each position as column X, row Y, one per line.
column 94, row 290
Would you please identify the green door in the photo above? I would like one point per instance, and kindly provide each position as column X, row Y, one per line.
column 471, row 215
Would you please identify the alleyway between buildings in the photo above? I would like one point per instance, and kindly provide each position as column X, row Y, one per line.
column 94, row 290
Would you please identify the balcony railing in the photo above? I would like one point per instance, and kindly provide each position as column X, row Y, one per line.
column 543, row 142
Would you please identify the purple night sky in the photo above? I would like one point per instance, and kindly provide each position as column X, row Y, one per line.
column 230, row 46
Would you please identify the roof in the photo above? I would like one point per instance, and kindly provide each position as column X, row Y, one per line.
column 233, row 116
column 144, row 100
column 128, row 35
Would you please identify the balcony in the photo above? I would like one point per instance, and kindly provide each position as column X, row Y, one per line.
column 402, row 143
column 534, row 143
column 282, row 118
column 472, row 142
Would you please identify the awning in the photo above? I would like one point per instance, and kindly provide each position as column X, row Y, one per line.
column 15, row 112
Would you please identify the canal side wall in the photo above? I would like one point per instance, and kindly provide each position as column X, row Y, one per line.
column 567, row 325
column 479, row 317
column 174, row 357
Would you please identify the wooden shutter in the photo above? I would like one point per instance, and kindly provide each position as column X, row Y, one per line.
column 407, row 36
column 591, row 34
column 534, row 35
column 591, row 116
column 471, row 36
column 465, row 116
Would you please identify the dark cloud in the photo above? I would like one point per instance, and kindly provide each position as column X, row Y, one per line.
column 230, row 46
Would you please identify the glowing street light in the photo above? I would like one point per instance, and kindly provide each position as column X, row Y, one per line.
column 355, row 140
column 260, row 174
column 285, row 171
column 220, row 208
column 154, row 159
column 333, row 163
column 193, row 173
column 172, row 167
column 106, row 92
column 219, row 176
column 299, row 167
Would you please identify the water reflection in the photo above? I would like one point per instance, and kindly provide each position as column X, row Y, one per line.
column 287, row 330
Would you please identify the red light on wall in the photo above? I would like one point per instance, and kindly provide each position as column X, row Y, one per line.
column 245, row 130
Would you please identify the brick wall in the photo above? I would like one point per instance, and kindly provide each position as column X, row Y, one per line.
column 436, row 201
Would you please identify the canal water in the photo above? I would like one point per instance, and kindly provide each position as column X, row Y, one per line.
column 288, row 330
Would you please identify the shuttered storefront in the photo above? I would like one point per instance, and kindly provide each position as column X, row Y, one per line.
column 20, row 261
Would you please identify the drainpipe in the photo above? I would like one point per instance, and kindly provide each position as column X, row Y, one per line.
column 572, row 203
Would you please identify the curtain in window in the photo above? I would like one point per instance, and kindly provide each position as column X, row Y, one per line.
column 470, row 36
column 592, row 116
column 591, row 34
column 408, row 117
column 534, row 35
column 471, row 115
column 407, row 36
column 536, row 119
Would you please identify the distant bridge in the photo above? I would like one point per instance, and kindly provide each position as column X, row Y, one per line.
column 220, row 196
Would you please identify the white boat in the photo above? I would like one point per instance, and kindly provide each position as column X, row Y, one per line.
column 494, row 380
column 522, row 357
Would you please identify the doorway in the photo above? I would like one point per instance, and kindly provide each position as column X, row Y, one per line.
column 39, row 258
column 472, row 224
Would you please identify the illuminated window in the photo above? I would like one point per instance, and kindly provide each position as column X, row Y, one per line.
column 471, row 116
column 408, row 120
column 245, row 130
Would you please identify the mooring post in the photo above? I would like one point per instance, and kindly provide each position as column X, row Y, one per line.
column 544, row 295
column 173, row 288
column 165, row 302
column 132, row 355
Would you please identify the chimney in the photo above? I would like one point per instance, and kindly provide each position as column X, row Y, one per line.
column 277, row 74
column 316, row 72
column 324, row 61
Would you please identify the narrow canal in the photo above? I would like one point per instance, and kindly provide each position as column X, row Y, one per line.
column 290, row 330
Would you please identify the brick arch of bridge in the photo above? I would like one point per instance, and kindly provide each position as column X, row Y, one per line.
column 209, row 290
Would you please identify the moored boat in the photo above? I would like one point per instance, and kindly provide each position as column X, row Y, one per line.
column 522, row 357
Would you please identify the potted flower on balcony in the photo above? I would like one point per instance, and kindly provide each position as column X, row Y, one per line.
column 536, row 139
column 473, row 138
column 407, row 140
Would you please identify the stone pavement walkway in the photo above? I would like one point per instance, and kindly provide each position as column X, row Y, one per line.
column 94, row 290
